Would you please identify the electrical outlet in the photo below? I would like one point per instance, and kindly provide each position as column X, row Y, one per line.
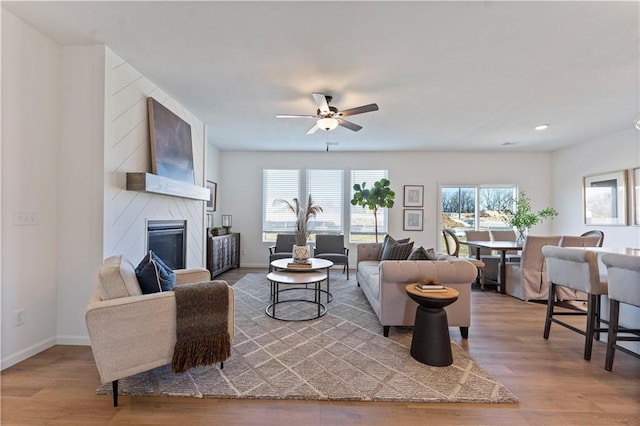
column 25, row 218
column 18, row 317
column 244, row 252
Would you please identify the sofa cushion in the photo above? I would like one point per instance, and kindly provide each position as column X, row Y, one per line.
column 396, row 251
column 153, row 275
column 390, row 241
column 117, row 278
column 419, row 253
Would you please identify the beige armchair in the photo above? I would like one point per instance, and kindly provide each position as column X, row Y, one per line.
column 131, row 332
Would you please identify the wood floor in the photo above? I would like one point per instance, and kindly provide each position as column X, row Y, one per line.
column 554, row 384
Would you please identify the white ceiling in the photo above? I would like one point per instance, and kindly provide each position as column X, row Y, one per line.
column 447, row 76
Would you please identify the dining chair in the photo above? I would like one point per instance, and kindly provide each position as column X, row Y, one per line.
column 623, row 272
column 452, row 245
column 591, row 240
column 506, row 235
column 527, row 279
column 282, row 249
column 576, row 269
column 491, row 261
column 595, row 232
column 331, row 247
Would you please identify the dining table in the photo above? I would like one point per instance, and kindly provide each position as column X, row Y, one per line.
column 503, row 247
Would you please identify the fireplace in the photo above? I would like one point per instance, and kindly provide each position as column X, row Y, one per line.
column 167, row 239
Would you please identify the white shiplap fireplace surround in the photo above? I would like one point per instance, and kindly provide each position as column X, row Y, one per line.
column 127, row 154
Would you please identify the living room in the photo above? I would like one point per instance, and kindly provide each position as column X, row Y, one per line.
column 71, row 128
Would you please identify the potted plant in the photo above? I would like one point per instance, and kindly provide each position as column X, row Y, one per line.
column 301, row 252
column 379, row 196
column 524, row 217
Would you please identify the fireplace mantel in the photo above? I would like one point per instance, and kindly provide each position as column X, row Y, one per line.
column 148, row 182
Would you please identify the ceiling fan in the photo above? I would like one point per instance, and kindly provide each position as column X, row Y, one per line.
column 328, row 117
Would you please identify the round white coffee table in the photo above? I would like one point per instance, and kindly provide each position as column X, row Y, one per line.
column 279, row 278
column 287, row 264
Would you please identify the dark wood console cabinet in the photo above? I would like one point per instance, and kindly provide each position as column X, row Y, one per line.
column 223, row 253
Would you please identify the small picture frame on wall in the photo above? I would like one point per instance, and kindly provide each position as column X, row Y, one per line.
column 605, row 198
column 413, row 219
column 414, row 196
column 213, row 196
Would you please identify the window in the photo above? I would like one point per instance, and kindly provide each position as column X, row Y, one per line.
column 475, row 208
column 326, row 188
column 362, row 225
column 284, row 184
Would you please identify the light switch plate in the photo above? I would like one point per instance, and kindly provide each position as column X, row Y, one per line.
column 25, row 218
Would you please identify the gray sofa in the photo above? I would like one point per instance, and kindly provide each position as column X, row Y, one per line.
column 383, row 283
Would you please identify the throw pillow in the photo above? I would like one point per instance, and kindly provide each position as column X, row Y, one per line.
column 153, row 275
column 397, row 251
column 420, row 253
column 388, row 239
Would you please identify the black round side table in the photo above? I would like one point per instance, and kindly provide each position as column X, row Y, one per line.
column 430, row 343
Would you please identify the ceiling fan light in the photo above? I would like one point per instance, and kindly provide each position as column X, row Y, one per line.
column 327, row 123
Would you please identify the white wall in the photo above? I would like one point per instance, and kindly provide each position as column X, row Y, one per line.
column 80, row 189
column 30, row 136
column 241, row 185
column 618, row 151
column 74, row 122
column 214, row 175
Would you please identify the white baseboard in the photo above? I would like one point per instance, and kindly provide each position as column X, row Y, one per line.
column 73, row 340
column 20, row 356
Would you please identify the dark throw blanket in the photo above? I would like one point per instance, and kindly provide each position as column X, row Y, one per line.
column 202, row 335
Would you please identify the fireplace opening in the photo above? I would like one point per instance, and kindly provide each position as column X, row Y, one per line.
column 167, row 239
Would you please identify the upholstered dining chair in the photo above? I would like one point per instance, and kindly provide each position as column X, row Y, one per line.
column 331, row 247
column 527, row 278
column 452, row 245
column 587, row 239
column 623, row 273
column 282, row 249
column 578, row 270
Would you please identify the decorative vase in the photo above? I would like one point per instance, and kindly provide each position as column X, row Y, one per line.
column 521, row 234
column 301, row 254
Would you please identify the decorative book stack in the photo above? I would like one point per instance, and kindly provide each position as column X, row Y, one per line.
column 294, row 265
column 431, row 288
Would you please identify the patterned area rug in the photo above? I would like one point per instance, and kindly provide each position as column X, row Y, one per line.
column 340, row 356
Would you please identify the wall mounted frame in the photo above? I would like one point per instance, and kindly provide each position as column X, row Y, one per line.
column 413, row 219
column 414, row 196
column 605, row 198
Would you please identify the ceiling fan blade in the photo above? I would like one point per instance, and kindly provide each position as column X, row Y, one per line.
column 349, row 125
column 296, row 116
column 313, row 129
column 358, row 110
column 321, row 101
